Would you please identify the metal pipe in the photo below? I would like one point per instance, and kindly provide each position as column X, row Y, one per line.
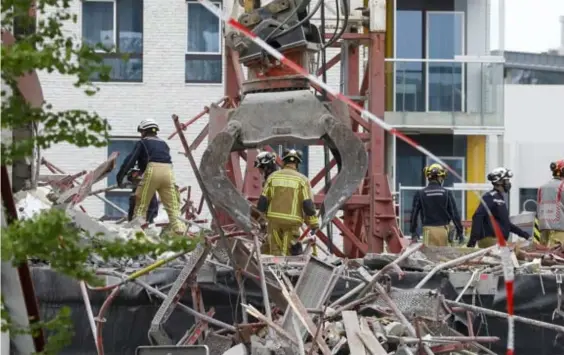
column 205, row 195
column 440, row 339
column 101, row 320
column 454, row 262
column 489, row 312
column 163, row 296
column 24, row 274
column 375, row 277
column 466, row 286
column 265, row 297
column 89, row 312
column 95, row 194
column 198, row 116
column 139, row 272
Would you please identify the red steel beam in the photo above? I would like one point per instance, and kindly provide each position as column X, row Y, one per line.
column 330, row 64
column 24, row 272
column 377, row 168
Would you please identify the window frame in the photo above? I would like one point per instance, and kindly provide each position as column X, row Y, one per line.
column 115, row 53
column 189, row 55
column 428, row 39
column 118, row 191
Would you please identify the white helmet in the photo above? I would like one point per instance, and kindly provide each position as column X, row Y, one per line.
column 265, row 159
column 147, row 124
column 499, row 174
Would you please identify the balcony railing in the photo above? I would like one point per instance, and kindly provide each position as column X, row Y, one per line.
column 444, row 93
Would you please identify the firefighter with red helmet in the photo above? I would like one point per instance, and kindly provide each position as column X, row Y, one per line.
column 287, row 202
column 550, row 206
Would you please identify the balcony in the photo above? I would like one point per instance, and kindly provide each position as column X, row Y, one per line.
column 444, row 94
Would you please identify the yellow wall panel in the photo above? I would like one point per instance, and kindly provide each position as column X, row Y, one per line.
column 475, row 169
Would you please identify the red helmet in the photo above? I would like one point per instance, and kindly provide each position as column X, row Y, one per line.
column 557, row 168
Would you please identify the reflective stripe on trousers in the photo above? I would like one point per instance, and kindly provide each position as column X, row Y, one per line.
column 158, row 177
column 279, row 238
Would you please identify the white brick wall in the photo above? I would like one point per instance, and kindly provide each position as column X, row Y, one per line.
column 162, row 93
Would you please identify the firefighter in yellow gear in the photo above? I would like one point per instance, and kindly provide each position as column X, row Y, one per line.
column 287, row 202
column 550, row 207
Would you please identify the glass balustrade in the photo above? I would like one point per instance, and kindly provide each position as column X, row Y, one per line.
column 457, row 93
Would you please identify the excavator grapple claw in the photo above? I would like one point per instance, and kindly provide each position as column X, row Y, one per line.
column 287, row 118
column 354, row 161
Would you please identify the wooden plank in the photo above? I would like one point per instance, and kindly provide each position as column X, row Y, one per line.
column 369, row 340
column 352, row 329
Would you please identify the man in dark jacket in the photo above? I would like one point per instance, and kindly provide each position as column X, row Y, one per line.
column 437, row 207
column 152, row 155
column 266, row 163
column 483, row 231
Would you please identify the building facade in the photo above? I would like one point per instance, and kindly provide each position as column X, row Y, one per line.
column 533, row 122
column 175, row 51
column 447, row 92
column 442, row 86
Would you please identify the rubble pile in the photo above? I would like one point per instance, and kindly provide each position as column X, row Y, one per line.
column 311, row 305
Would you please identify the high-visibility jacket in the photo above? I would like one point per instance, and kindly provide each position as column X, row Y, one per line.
column 287, row 198
column 550, row 206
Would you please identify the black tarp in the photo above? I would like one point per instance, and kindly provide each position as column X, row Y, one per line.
column 129, row 317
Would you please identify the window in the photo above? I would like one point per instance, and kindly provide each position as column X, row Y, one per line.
column 445, row 40
column 528, row 200
column 533, row 77
column 117, row 26
column 203, row 62
column 119, row 196
column 410, row 81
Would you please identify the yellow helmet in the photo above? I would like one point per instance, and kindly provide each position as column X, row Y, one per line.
column 435, row 171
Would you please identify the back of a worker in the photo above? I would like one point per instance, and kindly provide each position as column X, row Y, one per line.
column 152, row 155
column 437, row 208
column 550, row 207
column 287, row 202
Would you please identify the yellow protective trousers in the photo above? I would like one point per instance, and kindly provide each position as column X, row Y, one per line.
column 552, row 238
column 279, row 239
column 436, row 236
column 158, row 177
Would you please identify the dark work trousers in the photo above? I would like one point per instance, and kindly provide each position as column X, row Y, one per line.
column 152, row 211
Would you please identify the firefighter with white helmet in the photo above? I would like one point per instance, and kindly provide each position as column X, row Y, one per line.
column 266, row 163
column 483, row 232
column 437, row 208
column 153, row 159
column 287, row 201
column 550, row 206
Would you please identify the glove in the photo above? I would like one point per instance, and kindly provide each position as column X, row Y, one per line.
column 122, row 184
column 262, row 224
column 526, row 235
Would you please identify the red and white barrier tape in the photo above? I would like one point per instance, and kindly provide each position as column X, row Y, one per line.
column 506, row 252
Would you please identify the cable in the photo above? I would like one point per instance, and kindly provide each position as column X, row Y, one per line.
column 346, row 13
column 338, row 15
column 301, row 7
